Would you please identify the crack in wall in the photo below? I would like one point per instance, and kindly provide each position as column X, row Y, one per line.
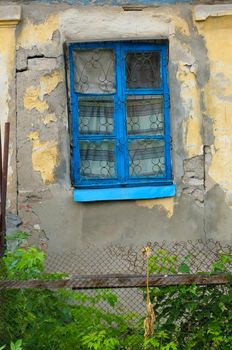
column 193, row 178
column 24, row 56
column 195, row 182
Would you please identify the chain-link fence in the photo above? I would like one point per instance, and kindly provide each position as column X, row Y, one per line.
column 120, row 259
column 98, row 298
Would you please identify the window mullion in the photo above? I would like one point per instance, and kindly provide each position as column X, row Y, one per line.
column 123, row 121
column 120, row 114
column 167, row 135
column 75, row 166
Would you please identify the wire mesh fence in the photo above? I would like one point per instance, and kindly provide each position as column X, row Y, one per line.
column 120, row 259
column 100, row 296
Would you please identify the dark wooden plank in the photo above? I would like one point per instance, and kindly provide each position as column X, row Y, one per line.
column 4, row 172
column 1, row 233
column 117, row 281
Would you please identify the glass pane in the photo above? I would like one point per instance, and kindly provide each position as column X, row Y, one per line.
column 143, row 70
column 146, row 157
column 97, row 159
column 94, row 71
column 96, row 115
column 145, row 115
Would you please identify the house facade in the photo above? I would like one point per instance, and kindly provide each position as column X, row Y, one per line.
column 106, row 149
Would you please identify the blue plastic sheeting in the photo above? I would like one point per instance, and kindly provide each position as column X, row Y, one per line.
column 109, row 194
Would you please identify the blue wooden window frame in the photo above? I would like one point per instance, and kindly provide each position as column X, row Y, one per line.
column 122, row 186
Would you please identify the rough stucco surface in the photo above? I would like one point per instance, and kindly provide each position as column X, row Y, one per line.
column 125, row 2
column 108, row 2
column 200, row 89
column 9, row 17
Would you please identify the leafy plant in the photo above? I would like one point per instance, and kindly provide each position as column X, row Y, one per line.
column 17, row 345
column 163, row 263
column 186, row 317
column 193, row 317
column 99, row 340
column 14, row 346
column 158, row 341
column 61, row 319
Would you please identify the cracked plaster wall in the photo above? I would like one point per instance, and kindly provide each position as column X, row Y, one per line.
column 200, row 83
column 9, row 18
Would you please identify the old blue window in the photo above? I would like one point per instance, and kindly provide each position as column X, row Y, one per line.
column 120, row 121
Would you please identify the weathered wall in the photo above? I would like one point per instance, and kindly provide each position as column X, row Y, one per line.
column 201, row 102
column 112, row 2
column 9, row 18
column 215, row 25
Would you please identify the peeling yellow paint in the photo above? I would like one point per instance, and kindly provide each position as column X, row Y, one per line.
column 181, row 25
column 7, row 36
column 49, row 118
column 193, row 140
column 34, row 96
column 170, row 14
column 7, row 99
column 32, row 100
column 34, row 136
column 49, row 82
column 217, row 34
column 45, row 157
column 228, row 199
column 35, row 34
column 190, row 96
column 7, row 59
column 220, row 169
column 166, row 204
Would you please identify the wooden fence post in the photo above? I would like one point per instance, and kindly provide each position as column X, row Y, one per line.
column 4, row 153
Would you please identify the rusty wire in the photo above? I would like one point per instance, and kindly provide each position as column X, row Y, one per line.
column 120, row 259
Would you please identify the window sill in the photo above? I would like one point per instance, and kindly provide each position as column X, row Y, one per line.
column 114, row 194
